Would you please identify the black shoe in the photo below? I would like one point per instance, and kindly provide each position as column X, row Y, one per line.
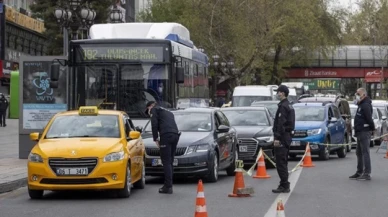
column 164, row 190
column 364, row 177
column 281, row 189
column 355, row 176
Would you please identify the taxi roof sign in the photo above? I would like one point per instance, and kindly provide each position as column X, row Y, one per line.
column 88, row 110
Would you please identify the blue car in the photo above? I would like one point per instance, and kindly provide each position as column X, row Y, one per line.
column 318, row 124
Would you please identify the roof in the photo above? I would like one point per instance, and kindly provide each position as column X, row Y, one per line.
column 265, row 102
column 195, row 110
column 308, row 104
column 258, row 108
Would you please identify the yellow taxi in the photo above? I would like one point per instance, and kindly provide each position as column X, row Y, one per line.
column 88, row 149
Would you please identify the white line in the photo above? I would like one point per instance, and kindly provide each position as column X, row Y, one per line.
column 293, row 179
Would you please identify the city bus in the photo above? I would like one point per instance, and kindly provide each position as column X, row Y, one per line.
column 128, row 64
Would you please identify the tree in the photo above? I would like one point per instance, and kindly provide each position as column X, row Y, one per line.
column 44, row 9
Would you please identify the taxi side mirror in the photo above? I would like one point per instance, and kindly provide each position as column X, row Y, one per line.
column 34, row 136
column 134, row 135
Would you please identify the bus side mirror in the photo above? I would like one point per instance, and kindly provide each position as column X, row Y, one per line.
column 180, row 75
column 54, row 76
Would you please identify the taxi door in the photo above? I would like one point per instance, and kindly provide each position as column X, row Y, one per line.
column 134, row 148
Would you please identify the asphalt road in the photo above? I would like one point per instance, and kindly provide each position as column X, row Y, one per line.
column 322, row 191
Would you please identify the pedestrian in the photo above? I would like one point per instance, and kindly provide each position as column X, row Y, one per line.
column 283, row 128
column 166, row 136
column 363, row 128
column 3, row 109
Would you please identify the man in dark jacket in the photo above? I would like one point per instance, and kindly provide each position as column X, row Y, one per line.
column 283, row 127
column 3, row 109
column 363, row 126
column 166, row 136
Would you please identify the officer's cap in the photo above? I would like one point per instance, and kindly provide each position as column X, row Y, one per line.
column 283, row 88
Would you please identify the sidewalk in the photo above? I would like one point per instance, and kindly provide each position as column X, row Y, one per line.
column 13, row 171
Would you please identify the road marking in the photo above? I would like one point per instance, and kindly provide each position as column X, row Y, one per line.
column 293, row 179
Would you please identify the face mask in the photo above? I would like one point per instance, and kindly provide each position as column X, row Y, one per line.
column 358, row 98
column 160, row 89
column 278, row 96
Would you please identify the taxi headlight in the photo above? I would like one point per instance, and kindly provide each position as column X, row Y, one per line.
column 115, row 156
column 32, row 157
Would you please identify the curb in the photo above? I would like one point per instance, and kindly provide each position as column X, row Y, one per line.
column 12, row 185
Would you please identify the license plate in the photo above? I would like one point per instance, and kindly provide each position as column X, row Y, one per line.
column 295, row 143
column 158, row 162
column 243, row 148
column 72, row 171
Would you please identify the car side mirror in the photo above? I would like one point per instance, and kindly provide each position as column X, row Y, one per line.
column 384, row 118
column 333, row 120
column 34, row 136
column 134, row 135
column 180, row 75
column 223, row 129
column 139, row 129
column 54, row 74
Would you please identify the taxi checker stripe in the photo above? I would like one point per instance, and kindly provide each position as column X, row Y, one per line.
column 200, row 208
column 200, row 195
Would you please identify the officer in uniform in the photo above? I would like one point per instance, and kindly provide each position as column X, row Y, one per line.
column 166, row 136
column 3, row 109
column 283, row 128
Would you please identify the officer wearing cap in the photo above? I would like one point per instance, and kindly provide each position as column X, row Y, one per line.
column 166, row 136
column 283, row 127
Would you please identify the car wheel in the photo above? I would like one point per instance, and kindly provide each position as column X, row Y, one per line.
column 230, row 170
column 213, row 175
column 325, row 153
column 35, row 194
column 141, row 183
column 341, row 153
column 126, row 191
column 292, row 156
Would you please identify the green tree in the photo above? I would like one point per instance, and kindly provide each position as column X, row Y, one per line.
column 44, row 9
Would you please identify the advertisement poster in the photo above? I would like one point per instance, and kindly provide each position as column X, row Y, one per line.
column 40, row 102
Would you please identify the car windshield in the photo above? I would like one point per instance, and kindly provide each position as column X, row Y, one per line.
column 272, row 107
column 246, row 117
column 70, row 126
column 239, row 101
column 190, row 122
column 308, row 113
column 382, row 109
column 354, row 111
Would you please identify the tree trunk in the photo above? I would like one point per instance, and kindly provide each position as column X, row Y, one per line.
column 275, row 70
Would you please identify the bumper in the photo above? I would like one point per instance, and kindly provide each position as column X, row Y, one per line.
column 251, row 157
column 192, row 164
column 315, row 147
column 42, row 177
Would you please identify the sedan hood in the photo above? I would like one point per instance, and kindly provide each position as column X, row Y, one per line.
column 78, row 147
column 186, row 139
column 308, row 125
column 251, row 131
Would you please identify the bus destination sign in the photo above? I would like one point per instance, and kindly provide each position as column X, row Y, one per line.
column 96, row 52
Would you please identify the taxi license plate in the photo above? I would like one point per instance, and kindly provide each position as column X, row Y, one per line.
column 295, row 143
column 158, row 162
column 72, row 171
column 243, row 148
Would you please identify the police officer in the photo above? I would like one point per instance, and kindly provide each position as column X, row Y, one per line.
column 166, row 136
column 283, row 127
column 3, row 109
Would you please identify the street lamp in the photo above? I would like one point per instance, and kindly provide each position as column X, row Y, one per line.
column 116, row 16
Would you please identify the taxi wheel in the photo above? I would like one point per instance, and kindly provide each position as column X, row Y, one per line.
column 126, row 191
column 213, row 175
column 141, row 183
column 35, row 194
column 230, row 170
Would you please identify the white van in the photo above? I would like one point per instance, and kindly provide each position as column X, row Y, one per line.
column 292, row 97
column 246, row 95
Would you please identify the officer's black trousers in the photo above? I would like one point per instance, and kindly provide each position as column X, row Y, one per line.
column 281, row 154
column 2, row 117
column 168, row 143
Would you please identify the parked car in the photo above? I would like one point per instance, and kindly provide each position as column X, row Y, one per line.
column 380, row 125
column 318, row 124
column 272, row 106
column 383, row 107
column 207, row 144
column 254, row 131
column 344, row 109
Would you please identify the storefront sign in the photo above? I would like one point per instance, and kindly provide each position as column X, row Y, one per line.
column 13, row 16
column 323, row 84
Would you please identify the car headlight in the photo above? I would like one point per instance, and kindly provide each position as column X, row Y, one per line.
column 314, row 132
column 265, row 138
column 35, row 158
column 197, row 148
column 115, row 156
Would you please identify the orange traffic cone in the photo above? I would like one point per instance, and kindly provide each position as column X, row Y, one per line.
column 261, row 172
column 386, row 154
column 280, row 210
column 200, row 204
column 238, row 184
column 307, row 162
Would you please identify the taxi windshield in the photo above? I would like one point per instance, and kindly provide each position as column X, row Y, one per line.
column 71, row 126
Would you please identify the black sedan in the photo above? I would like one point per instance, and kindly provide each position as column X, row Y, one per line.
column 254, row 131
column 207, row 144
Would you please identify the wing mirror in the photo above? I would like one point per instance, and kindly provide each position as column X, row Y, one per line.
column 34, row 136
column 333, row 120
column 134, row 135
column 384, row 118
column 223, row 129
